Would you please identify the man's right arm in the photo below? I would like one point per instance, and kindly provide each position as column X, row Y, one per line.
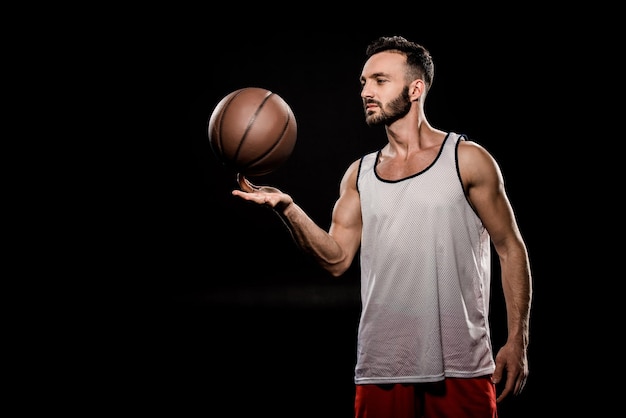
column 333, row 250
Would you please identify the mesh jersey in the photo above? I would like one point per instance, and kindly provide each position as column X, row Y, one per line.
column 425, row 276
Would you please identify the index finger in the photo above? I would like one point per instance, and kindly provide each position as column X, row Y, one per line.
column 245, row 184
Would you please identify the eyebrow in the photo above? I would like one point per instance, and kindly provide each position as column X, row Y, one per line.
column 376, row 75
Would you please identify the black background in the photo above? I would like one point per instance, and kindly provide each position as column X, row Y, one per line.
column 228, row 315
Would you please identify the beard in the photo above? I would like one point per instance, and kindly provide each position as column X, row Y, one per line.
column 394, row 110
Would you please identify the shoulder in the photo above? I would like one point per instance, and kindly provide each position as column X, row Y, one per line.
column 476, row 162
column 472, row 152
column 351, row 174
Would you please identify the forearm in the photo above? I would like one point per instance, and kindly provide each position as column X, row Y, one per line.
column 517, row 287
column 313, row 240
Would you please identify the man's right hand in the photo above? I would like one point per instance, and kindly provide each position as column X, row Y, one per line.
column 262, row 195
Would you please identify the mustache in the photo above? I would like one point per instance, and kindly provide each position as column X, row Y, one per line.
column 369, row 101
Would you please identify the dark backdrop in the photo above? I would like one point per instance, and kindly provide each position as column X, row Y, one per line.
column 230, row 315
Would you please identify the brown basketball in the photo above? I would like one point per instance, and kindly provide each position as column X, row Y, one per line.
column 252, row 131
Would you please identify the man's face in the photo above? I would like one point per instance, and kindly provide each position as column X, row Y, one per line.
column 385, row 93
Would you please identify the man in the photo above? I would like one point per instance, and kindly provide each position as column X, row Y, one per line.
column 424, row 211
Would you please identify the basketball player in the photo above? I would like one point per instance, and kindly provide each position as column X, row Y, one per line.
column 424, row 211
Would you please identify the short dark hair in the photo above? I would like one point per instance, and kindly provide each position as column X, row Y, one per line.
column 418, row 58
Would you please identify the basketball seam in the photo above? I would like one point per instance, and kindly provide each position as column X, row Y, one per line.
column 275, row 145
column 222, row 115
column 249, row 127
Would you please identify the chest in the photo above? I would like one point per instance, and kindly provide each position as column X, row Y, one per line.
column 396, row 168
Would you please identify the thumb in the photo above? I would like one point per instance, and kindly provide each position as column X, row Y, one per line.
column 497, row 375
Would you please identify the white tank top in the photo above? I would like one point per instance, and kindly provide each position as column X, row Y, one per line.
column 425, row 276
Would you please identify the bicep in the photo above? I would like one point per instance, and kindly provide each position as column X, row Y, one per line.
column 346, row 221
column 487, row 194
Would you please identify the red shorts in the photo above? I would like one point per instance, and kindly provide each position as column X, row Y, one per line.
column 451, row 398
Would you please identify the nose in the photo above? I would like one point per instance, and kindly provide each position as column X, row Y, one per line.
column 365, row 91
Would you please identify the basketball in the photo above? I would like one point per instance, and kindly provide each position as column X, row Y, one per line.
column 252, row 131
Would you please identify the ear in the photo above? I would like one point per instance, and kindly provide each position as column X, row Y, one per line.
column 416, row 89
